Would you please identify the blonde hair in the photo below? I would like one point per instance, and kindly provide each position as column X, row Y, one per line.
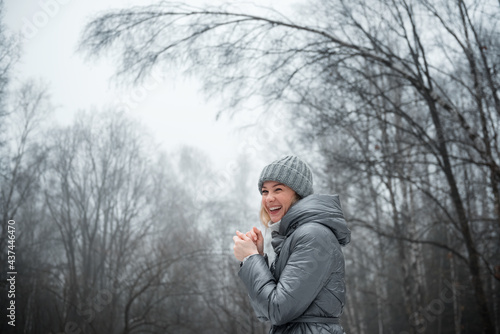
column 264, row 216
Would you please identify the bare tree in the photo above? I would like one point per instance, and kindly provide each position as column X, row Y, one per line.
column 97, row 193
column 9, row 54
column 23, row 163
column 29, row 109
column 435, row 99
column 127, row 252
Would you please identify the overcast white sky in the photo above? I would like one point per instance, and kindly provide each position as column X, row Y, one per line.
column 176, row 112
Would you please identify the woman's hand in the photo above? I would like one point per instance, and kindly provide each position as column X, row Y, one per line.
column 258, row 239
column 243, row 246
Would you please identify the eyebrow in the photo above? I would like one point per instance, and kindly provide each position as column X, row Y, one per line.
column 276, row 185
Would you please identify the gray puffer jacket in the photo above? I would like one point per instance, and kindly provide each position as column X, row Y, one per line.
column 304, row 290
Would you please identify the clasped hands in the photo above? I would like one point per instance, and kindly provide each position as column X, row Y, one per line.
column 249, row 243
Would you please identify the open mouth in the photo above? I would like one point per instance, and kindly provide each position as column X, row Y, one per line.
column 274, row 210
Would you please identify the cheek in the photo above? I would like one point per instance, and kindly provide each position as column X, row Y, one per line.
column 286, row 206
column 288, row 203
column 263, row 203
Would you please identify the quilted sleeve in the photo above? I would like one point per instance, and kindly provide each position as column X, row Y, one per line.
column 308, row 268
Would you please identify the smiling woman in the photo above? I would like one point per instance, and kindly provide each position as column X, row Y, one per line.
column 277, row 198
column 303, row 290
column 290, row 171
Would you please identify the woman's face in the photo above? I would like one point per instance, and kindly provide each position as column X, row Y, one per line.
column 276, row 199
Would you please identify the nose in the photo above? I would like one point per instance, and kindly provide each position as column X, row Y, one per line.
column 269, row 198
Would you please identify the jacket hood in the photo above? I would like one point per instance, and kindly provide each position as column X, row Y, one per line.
column 320, row 209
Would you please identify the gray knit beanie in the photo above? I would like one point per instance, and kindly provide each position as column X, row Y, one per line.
column 292, row 172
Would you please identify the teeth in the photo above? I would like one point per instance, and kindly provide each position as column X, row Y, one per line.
column 275, row 208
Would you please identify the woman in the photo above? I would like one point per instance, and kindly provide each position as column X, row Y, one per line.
column 302, row 290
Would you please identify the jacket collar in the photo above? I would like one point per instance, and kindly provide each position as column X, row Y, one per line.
column 317, row 208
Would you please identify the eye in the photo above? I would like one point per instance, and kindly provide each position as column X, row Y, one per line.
column 264, row 192
column 278, row 189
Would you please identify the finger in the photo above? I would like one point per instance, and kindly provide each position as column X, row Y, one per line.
column 242, row 236
column 252, row 235
column 235, row 239
column 257, row 231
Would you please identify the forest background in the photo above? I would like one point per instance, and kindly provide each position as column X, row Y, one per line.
column 394, row 103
